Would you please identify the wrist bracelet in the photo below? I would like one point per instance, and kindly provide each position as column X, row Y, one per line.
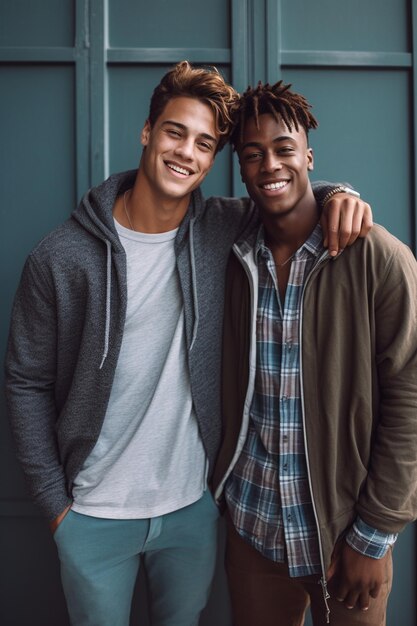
column 339, row 189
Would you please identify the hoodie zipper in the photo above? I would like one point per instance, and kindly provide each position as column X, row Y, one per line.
column 193, row 285
column 108, row 301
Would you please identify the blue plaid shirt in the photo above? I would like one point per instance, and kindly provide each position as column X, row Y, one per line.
column 268, row 493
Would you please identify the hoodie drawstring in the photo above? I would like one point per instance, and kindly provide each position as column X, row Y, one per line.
column 108, row 298
column 194, row 284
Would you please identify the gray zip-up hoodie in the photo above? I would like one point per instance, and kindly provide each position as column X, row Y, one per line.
column 67, row 327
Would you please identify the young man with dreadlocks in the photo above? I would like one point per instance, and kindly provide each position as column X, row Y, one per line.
column 113, row 367
column 318, row 465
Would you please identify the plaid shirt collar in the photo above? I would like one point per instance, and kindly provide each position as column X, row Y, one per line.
column 313, row 245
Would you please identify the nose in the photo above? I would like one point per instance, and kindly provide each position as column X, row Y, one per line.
column 271, row 162
column 185, row 148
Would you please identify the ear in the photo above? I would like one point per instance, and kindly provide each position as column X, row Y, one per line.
column 310, row 159
column 146, row 131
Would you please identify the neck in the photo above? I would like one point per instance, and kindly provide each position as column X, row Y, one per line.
column 286, row 233
column 145, row 210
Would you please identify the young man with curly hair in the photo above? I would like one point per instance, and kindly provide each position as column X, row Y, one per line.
column 318, row 465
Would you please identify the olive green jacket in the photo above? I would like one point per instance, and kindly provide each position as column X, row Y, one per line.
column 358, row 337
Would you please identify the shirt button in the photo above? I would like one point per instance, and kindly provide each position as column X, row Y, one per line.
column 284, row 398
column 285, row 438
column 285, row 467
column 289, row 517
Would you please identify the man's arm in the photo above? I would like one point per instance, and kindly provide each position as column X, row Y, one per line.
column 344, row 216
column 388, row 500
column 355, row 578
column 53, row 524
column 360, row 565
column 30, row 384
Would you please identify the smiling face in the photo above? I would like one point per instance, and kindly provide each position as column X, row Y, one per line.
column 274, row 164
column 179, row 149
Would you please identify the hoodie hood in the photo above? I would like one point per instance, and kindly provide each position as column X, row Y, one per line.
column 95, row 211
column 95, row 214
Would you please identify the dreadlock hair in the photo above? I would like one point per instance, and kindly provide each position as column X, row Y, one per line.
column 204, row 84
column 277, row 100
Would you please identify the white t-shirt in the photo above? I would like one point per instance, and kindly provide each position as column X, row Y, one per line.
column 149, row 458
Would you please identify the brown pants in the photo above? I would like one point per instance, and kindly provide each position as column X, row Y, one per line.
column 263, row 594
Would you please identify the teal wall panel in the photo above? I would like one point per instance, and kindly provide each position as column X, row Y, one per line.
column 363, row 25
column 167, row 24
column 129, row 88
column 364, row 137
column 402, row 607
column 38, row 159
column 29, row 23
column 218, row 181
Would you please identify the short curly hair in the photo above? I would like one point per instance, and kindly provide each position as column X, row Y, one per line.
column 276, row 99
column 204, row 84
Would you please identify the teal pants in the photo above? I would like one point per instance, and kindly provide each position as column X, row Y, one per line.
column 100, row 561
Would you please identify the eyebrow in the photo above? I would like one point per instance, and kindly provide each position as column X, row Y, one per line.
column 258, row 144
column 183, row 127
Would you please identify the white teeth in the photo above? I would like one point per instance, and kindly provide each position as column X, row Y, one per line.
column 274, row 186
column 178, row 169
